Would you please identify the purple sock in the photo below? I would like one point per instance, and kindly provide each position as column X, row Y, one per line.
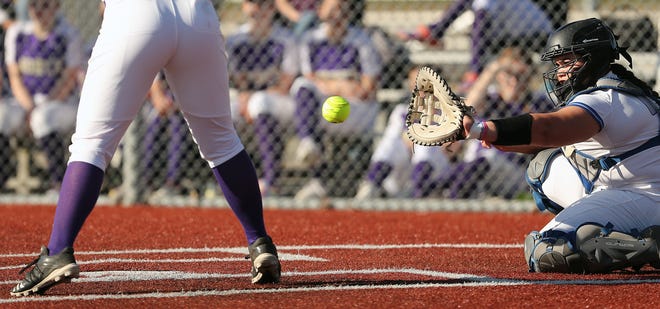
column 238, row 180
column 421, row 179
column 150, row 152
column 378, row 171
column 306, row 112
column 465, row 177
column 78, row 195
column 264, row 127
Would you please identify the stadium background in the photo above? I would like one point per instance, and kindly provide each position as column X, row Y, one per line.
column 636, row 23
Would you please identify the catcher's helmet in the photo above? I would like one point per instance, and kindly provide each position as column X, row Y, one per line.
column 589, row 40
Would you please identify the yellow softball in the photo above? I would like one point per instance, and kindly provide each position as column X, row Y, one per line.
column 335, row 109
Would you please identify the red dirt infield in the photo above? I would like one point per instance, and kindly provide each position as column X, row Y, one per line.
column 194, row 258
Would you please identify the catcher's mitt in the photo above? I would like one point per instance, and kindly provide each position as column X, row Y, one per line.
column 435, row 114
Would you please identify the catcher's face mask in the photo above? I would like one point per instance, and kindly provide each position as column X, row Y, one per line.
column 587, row 41
column 566, row 78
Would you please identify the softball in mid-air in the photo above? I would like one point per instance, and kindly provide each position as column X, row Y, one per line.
column 336, row 109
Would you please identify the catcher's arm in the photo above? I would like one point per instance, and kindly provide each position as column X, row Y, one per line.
column 566, row 126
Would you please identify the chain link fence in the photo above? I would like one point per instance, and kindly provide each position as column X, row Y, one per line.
column 301, row 160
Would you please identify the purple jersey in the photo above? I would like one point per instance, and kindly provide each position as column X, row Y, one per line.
column 305, row 5
column 353, row 57
column 42, row 61
column 256, row 65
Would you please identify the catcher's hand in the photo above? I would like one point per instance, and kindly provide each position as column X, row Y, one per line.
column 435, row 114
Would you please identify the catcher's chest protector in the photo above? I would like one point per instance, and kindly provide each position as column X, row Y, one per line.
column 589, row 167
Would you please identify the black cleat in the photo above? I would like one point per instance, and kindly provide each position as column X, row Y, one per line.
column 266, row 266
column 47, row 272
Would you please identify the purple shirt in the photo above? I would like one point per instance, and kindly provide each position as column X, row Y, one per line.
column 305, row 5
column 42, row 61
column 353, row 57
column 261, row 62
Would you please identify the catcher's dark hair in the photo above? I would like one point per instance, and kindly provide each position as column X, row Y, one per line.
column 628, row 75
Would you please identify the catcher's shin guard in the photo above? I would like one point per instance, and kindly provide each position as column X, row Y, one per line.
column 597, row 249
column 604, row 250
column 551, row 254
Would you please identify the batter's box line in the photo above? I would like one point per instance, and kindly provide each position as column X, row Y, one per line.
column 207, row 293
column 243, row 250
column 400, row 246
column 283, row 257
column 481, row 282
column 151, row 275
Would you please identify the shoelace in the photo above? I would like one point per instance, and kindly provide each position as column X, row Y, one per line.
column 29, row 265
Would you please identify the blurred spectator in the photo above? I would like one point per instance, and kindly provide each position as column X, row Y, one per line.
column 337, row 58
column 263, row 62
column 497, row 23
column 7, row 18
column 504, row 87
column 396, row 169
column 300, row 15
column 43, row 57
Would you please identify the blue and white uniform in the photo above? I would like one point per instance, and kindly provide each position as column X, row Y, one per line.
column 627, row 195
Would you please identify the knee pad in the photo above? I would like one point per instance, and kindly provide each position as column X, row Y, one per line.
column 554, row 183
column 605, row 250
column 551, row 251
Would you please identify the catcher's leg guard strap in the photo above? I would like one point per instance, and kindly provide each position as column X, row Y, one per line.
column 551, row 253
column 605, row 250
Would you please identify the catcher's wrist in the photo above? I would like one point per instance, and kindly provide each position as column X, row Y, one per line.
column 478, row 130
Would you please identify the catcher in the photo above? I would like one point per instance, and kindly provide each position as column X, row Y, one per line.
column 603, row 135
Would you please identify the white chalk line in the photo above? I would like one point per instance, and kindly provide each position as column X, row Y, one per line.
column 243, row 250
column 469, row 281
column 283, row 257
column 208, row 293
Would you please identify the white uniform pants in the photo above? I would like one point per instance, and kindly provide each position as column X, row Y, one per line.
column 137, row 39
